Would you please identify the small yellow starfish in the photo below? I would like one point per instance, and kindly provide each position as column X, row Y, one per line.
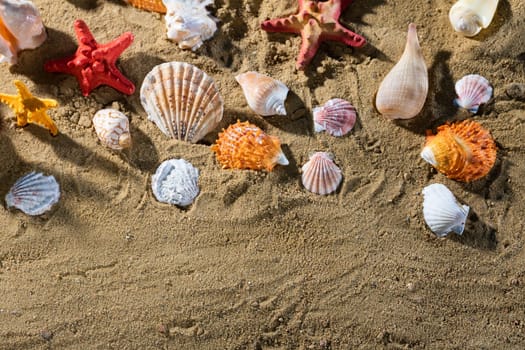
column 30, row 109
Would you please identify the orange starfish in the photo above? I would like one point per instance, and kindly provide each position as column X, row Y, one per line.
column 30, row 109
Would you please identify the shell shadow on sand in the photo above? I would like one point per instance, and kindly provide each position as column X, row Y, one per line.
column 477, row 234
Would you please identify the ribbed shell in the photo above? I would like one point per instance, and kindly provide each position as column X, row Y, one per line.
column 245, row 146
column 181, row 100
column 472, row 90
column 148, row 5
column 463, row 151
column 265, row 95
column 176, row 182
column 442, row 212
column 336, row 116
column 112, row 128
column 320, row 174
column 33, row 193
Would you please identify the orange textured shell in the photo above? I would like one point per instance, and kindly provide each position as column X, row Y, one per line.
column 148, row 5
column 463, row 151
column 245, row 146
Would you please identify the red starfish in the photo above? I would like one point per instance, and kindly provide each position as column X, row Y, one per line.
column 316, row 21
column 93, row 64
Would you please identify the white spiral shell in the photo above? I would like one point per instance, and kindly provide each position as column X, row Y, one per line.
column 468, row 17
column 265, row 95
column 472, row 90
column 33, row 193
column 320, row 174
column 112, row 128
column 176, row 182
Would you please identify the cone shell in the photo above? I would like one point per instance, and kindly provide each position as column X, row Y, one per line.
column 245, row 146
column 468, row 17
column 34, row 193
column 463, row 151
column 402, row 94
column 442, row 212
column 265, row 95
column 336, row 116
column 148, row 5
column 112, row 128
column 472, row 90
column 176, row 182
column 181, row 100
column 320, row 174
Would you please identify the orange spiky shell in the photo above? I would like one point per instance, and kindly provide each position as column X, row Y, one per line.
column 463, row 151
column 245, row 146
column 148, row 5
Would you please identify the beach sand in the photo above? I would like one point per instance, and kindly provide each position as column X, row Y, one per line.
column 258, row 262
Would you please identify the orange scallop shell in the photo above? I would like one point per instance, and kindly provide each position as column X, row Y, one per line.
column 463, row 151
column 245, row 146
column 148, row 5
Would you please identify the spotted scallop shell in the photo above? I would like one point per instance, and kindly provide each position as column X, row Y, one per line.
column 245, row 146
column 472, row 90
column 181, row 100
column 112, row 128
column 336, row 116
column 320, row 174
column 265, row 95
column 33, row 193
column 442, row 212
column 176, row 182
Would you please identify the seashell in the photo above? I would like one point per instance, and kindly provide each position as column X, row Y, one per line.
column 188, row 23
column 469, row 16
column 463, row 151
column 402, row 94
column 320, row 174
column 442, row 212
column 472, row 90
column 181, row 100
column 176, row 182
column 33, row 193
column 148, row 5
column 21, row 28
column 336, row 116
column 265, row 95
column 112, row 128
column 245, row 146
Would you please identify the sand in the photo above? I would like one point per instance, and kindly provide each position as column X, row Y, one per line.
column 257, row 262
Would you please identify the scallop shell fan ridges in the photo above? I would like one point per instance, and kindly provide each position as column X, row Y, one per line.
column 176, row 182
column 33, row 193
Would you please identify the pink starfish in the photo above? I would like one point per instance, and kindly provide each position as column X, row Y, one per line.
column 94, row 64
column 316, row 21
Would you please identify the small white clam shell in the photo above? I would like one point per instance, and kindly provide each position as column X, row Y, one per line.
column 176, row 182
column 112, row 128
column 468, row 17
column 320, row 175
column 265, row 95
column 472, row 90
column 336, row 116
column 33, row 193
column 442, row 212
column 188, row 23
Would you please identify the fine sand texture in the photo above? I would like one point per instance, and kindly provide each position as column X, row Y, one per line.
column 257, row 262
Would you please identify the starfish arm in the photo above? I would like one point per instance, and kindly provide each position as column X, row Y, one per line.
column 309, row 45
column 84, row 35
column 345, row 36
column 23, row 91
column 61, row 65
column 21, row 119
column 118, row 81
column 40, row 117
column 290, row 24
column 114, row 49
column 49, row 103
column 12, row 101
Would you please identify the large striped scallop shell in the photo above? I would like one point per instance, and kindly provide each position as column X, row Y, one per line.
column 112, row 128
column 336, row 116
column 442, row 212
column 245, row 146
column 320, row 174
column 181, row 100
column 463, row 151
column 33, row 193
column 472, row 90
column 176, row 182
column 265, row 95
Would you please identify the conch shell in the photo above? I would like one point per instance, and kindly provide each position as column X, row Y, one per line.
column 265, row 95
column 403, row 92
column 469, row 16
column 21, row 28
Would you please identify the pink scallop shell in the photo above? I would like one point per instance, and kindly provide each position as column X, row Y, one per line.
column 336, row 116
column 320, row 174
column 472, row 90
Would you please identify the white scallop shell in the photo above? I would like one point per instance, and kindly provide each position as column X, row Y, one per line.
column 336, row 116
column 176, row 182
column 442, row 212
column 188, row 23
column 472, row 90
column 33, row 193
column 112, row 128
column 22, row 20
column 181, row 100
column 468, row 17
column 265, row 95
column 320, row 174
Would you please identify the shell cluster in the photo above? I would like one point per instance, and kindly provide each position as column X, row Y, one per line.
column 265, row 95
column 320, row 174
column 33, row 193
column 337, row 117
column 473, row 90
column 176, row 182
column 468, row 17
column 112, row 128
